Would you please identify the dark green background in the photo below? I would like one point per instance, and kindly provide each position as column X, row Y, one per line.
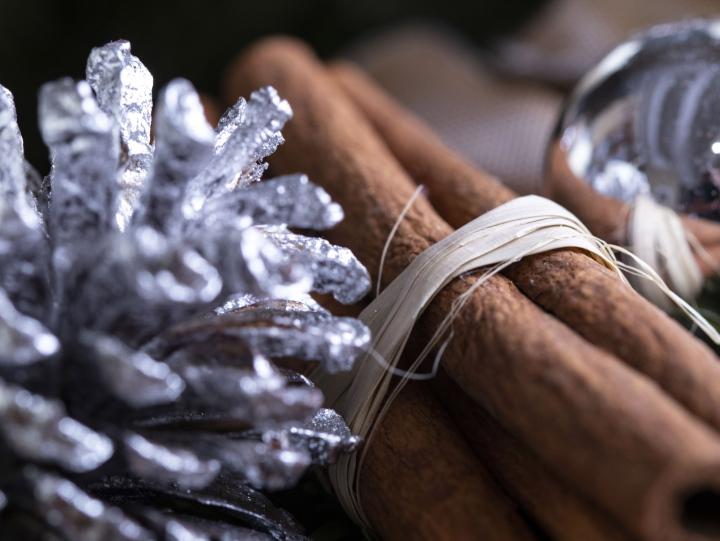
column 42, row 40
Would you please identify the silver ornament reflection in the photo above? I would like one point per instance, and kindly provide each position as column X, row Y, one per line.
column 646, row 120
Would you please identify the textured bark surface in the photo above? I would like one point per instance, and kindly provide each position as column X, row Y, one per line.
column 559, row 509
column 423, row 482
column 416, row 442
column 568, row 284
column 602, row 426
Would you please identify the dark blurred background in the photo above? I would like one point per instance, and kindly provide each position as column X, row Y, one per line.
column 488, row 76
column 42, row 40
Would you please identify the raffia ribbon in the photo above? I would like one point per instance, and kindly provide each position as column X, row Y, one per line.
column 524, row 226
column 657, row 237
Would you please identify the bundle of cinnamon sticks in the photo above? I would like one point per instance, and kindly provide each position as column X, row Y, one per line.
column 566, row 398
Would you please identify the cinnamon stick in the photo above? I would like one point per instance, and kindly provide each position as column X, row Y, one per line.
column 568, row 284
column 416, row 443
column 552, row 503
column 599, row 424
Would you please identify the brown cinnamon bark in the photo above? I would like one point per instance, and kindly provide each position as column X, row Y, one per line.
column 552, row 503
column 567, row 283
column 416, row 442
column 602, row 426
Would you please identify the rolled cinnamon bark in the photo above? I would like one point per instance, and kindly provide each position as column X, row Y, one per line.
column 552, row 503
column 425, row 482
column 568, row 284
column 603, row 427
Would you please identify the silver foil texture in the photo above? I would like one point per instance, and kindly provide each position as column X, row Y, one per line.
column 145, row 290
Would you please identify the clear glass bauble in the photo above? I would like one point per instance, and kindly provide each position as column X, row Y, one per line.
column 646, row 120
